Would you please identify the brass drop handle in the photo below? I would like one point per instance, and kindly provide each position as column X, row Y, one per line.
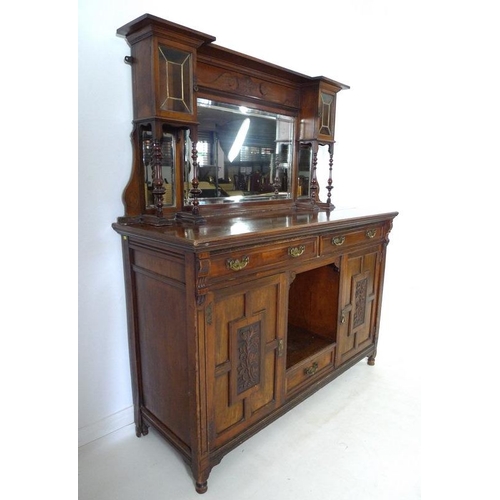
column 236, row 264
column 342, row 318
column 312, row 369
column 338, row 240
column 370, row 233
column 296, row 251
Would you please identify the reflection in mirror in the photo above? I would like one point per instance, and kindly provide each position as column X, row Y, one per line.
column 167, row 167
column 243, row 154
column 305, row 162
column 322, row 172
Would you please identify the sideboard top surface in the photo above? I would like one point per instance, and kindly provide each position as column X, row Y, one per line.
column 238, row 230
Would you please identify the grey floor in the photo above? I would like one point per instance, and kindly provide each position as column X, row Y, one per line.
column 356, row 439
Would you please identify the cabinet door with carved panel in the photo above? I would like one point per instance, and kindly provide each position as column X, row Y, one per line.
column 360, row 297
column 245, row 358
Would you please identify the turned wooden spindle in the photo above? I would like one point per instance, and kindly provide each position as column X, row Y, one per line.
column 330, row 205
column 314, row 181
column 158, row 189
column 195, row 191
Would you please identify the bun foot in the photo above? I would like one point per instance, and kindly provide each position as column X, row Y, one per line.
column 200, row 476
column 202, row 487
column 371, row 360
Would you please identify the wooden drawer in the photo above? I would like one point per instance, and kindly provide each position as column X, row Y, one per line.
column 338, row 240
column 310, row 369
column 242, row 261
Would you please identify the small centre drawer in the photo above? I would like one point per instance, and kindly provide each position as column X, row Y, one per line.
column 253, row 259
column 310, row 369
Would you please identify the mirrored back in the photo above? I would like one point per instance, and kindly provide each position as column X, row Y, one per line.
column 243, row 154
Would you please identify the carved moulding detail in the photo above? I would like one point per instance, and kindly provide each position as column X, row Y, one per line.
column 389, row 229
column 244, row 85
column 203, row 268
column 226, row 82
column 360, row 302
column 247, row 341
column 209, row 314
column 248, row 368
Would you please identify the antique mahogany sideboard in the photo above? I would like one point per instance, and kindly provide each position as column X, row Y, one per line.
column 247, row 290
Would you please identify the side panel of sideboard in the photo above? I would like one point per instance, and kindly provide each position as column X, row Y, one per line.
column 159, row 332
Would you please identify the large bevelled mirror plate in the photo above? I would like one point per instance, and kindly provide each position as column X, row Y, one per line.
column 243, row 154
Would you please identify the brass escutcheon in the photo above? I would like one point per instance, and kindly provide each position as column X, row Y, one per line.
column 281, row 347
column 370, row 233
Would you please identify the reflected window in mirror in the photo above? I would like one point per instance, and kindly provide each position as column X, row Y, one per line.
column 243, row 154
column 305, row 163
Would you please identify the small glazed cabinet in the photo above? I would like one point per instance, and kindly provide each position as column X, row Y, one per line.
column 244, row 296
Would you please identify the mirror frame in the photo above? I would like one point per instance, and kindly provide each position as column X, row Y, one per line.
column 242, row 180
